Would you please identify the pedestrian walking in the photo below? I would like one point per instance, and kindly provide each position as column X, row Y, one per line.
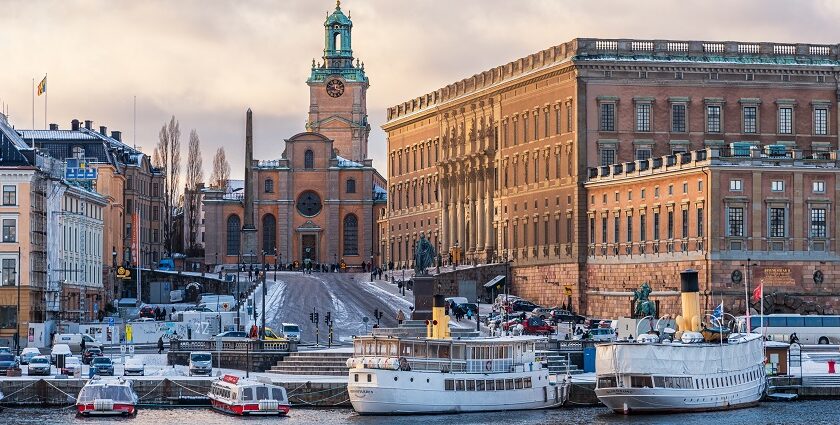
column 160, row 345
column 400, row 317
column 82, row 345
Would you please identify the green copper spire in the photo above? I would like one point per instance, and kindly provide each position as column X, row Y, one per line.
column 338, row 50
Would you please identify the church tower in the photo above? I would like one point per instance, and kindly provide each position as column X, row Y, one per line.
column 338, row 91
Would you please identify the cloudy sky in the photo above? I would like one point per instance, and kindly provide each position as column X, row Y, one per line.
column 207, row 61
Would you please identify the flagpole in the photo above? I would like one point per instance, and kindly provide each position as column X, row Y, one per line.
column 33, row 105
column 46, row 96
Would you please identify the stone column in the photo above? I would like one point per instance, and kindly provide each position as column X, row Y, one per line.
column 462, row 209
column 489, row 240
column 443, row 199
column 459, row 211
column 481, row 218
column 452, row 194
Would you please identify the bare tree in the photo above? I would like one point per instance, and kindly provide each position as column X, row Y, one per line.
column 221, row 170
column 195, row 176
column 168, row 151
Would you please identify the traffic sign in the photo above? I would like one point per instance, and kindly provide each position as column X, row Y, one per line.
column 110, row 321
column 365, row 319
column 225, row 306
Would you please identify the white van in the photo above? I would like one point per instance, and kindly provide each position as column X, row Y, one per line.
column 74, row 341
column 218, row 302
column 291, row 332
column 201, row 363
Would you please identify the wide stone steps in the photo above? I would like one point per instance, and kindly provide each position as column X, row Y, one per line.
column 313, row 363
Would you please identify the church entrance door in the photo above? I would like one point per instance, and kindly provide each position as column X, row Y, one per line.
column 309, row 250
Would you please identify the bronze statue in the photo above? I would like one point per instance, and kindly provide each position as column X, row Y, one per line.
column 643, row 305
column 424, row 256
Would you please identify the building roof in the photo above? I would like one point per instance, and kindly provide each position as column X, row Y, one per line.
column 12, row 146
column 338, row 17
column 346, row 163
column 54, row 135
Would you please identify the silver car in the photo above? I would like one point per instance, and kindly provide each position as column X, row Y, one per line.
column 40, row 365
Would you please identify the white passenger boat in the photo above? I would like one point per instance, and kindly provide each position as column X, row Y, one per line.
column 438, row 374
column 107, row 397
column 683, row 375
column 241, row 396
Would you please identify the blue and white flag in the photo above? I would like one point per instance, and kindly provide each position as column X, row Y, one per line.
column 718, row 312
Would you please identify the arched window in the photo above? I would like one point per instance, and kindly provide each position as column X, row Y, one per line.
column 351, row 235
column 309, row 159
column 269, row 230
column 233, row 229
column 269, row 185
column 351, row 186
column 337, row 41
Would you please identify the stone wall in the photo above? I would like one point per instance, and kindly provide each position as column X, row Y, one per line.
column 546, row 285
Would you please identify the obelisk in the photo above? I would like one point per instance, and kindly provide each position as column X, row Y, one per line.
column 249, row 231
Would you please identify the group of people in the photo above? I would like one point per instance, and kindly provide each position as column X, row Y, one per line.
column 160, row 313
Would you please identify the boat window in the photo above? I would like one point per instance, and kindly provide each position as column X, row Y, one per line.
column 443, row 351
column 528, row 382
column 420, row 349
column 449, row 384
column 479, row 385
column 675, row 382
column 277, row 394
column 262, row 393
column 369, row 377
column 519, row 384
column 470, row 385
column 641, row 382
column 606, row 382
column 508, row 384
column 406, row 349
column 458, row 351
column 659, row 381
column 459, row 385
column 356, row 377
column 247, row 394
column 500, row 384
column 491, row 385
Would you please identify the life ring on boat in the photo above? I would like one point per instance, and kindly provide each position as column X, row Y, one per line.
column 488, row 365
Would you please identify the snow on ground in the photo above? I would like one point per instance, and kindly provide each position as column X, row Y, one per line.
column 344, row 323
column 395, row 300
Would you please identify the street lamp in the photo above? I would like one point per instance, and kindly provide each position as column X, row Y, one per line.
column 478, row 315
column 262, row 330
column 275, row 263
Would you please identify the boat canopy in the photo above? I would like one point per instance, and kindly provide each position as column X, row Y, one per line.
column 678, row 358
column 118, row 393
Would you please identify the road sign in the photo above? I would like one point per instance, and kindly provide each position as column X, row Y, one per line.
column 122, row 349
column 225, row 306
column 365, row 319
column 131, row 350
column 110, row 321
column 568, row 290
column 128, row 333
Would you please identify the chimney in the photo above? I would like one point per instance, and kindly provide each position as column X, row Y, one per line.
column 53, row 126
column 103, row 130
column 116, row 135
column 74, row 125
column 89, row 124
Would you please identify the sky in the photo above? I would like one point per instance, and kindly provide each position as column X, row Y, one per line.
column 207, row 61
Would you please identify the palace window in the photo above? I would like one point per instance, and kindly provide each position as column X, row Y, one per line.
column 643, row 153
column 736, row 221
column 515, row 132
column 309, row 160
column 785, row 120
column 591, row 230
column 643, row 117
column 607, row 117
column 569, row 121
column 750, row 119
column 700, row 229
column 777, row 223
column 684, row 224
column 818, row 225
column 233, row 229
column 269, row 185
column 269, row 229
column 629, row 228
column 821, row 121
column 9, row 194
column 735, row 185
column 713, row 119
column 656, row 226
column 777, row 186
column 616, row 229
column 350, row 186
column 670, row 225
column 818, row 186
column 642, row 228
column 351, row 235
column 525, row 128
column 678, row 118
column 607, row 156
column 536, row 126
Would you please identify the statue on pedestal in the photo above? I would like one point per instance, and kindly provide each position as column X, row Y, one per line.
column 643, row 305
column 424, row 256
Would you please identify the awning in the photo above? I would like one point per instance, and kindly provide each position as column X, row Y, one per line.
column 494, row 281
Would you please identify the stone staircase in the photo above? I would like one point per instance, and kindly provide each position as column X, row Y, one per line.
column 558, row 363
column 313, row 363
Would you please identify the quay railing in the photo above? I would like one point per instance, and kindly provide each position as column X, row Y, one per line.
column 237, row 346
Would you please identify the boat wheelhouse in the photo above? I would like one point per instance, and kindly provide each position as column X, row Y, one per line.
column 241, row 396
column 439, row 374
column 107, row 397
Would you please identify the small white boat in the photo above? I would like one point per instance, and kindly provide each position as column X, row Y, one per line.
column 241, row 396
column 107, row 397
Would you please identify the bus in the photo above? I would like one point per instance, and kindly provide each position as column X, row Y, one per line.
column 809, row 329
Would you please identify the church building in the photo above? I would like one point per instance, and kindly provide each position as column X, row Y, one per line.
column 318, row 201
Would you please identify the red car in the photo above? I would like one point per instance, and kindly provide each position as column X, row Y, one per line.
column 532, row 326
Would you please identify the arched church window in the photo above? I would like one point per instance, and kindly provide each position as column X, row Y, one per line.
column 233, row 229
column 351, row 186
column 269, row 185
column 351, row 235
column 309, row 159
column 269, row 229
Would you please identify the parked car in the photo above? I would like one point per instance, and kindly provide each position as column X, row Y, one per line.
column 523, row 305
column 60, row 349
column 598, row 323
column 28, row 353
column 500, row 299
column 8, row 361
column 103, row 366
column 452, row 301
column 40, row 365
column 291, row 332
column 201, row 363
column 71, row 365
column 7, row 350
column 232, row 335
column 90, row 354
column 270, row 335
column 143, row 319
column 74, row 341
column 134, row 367
column 147, row 311
column 201, row 309
column 601, row 334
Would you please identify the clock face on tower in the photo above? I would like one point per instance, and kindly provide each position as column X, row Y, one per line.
column 335, row 88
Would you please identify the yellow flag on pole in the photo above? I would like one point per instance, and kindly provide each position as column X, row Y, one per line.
column 42, row 86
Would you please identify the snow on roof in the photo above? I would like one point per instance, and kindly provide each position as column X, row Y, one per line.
column 346, row 163
column 746, row 60
column 55, row 135
column 11, row 134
